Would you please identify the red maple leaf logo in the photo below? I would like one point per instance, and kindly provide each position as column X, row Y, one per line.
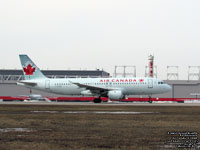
column 29, row 70
column 141, row 80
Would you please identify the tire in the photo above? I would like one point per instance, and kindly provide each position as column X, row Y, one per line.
column 97, row 100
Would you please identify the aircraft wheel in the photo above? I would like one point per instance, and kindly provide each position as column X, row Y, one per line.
column 97, row 100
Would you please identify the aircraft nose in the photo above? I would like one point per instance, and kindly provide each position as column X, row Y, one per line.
column 168, row 88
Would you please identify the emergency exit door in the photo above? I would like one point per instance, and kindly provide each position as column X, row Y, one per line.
column 47, row 84
column 150, row 83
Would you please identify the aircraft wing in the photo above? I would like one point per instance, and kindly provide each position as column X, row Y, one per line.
column 93, row 89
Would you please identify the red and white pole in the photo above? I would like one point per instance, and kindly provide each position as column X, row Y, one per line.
column 151, row 66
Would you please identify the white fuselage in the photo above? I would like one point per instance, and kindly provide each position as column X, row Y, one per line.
column 128, row 86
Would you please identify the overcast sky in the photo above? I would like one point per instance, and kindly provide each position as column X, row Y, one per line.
column 63, row 34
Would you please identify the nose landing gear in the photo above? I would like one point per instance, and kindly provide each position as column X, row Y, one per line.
column 150, row 100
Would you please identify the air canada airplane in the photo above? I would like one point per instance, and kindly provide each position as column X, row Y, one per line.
column 112, row 88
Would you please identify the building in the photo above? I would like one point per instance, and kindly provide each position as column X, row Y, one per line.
column 16, row 75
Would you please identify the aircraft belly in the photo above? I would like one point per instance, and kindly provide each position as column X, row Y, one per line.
column 137, row 90
column 67, row 91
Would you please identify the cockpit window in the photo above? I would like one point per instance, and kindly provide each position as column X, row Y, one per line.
column 161, row 82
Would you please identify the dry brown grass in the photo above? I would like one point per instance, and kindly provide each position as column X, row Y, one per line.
column 61, row 131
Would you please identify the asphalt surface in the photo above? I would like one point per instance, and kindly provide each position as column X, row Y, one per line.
column 109, row 104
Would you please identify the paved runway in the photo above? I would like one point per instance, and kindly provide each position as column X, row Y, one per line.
column 100, row 104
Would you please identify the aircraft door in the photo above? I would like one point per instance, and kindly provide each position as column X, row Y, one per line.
column 47, row 84
column 150, row 83
column 110, row 84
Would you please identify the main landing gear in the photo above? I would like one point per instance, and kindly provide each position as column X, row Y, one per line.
column 150, row 100
column 97, row 100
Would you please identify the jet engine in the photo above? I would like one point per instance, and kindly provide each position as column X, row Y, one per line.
column 35, row 97
column 116, row 94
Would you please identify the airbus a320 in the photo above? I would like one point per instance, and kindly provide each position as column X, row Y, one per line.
column 112, row 88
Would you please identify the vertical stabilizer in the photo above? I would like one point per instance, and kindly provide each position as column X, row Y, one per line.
column 31, row 71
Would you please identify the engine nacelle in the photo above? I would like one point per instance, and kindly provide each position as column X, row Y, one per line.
column 116, row 94
column 35, row 97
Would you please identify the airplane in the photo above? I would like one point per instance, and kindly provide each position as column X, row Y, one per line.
column 112, row 88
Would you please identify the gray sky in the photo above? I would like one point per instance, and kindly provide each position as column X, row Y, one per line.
column 63, row 34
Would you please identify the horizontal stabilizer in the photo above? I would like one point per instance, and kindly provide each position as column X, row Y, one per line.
column 27, row 83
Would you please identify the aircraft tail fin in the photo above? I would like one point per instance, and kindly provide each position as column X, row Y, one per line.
column 30, row 70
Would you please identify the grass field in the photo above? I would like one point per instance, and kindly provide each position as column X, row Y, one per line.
column 53, row 128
